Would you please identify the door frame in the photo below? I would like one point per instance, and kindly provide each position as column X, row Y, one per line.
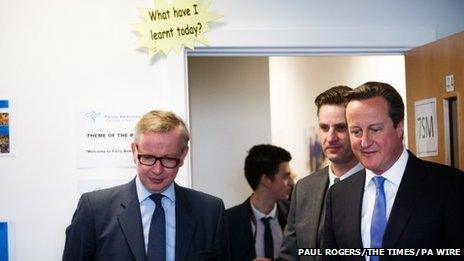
column 288, row 42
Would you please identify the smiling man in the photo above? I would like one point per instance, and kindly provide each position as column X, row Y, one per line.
column 306, row 218
column 399, row 201
column 150, row 218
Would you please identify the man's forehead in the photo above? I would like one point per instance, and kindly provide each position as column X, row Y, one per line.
column 159, row 139
column 332, row 121
column 376, row 101
column 332, row 107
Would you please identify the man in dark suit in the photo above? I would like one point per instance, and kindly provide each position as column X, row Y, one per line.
column 151, row 217
column 306, row 217
column 399, row 201
column 256, row 225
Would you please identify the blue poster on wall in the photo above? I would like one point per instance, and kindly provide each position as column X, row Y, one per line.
column 3, row 241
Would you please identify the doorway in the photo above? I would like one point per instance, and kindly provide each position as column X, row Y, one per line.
column 237, row 102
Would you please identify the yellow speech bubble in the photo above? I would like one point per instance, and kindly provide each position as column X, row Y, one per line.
column 170, row 26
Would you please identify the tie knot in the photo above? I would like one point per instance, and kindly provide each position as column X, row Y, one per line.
column 157, row 198
column 336, row 180
column 379, row 180
column 266, row 220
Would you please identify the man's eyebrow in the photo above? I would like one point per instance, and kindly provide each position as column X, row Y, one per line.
column 378, row 124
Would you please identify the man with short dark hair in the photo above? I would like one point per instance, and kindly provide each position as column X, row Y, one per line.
column 306, row 218
column 150, row 218
column 399, row 201
column 255, row 226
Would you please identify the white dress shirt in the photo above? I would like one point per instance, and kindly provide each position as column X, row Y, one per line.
column 392, row 182
column 147, row 207
column 258, row 230
column 350, row 172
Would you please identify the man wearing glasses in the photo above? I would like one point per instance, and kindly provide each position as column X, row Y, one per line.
column 150, row 218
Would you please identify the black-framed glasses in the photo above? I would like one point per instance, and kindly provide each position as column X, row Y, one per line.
column 150, row 160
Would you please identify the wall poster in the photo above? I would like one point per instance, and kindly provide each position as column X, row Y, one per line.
column 5, row 244
column 6, row 146
column 104, row 138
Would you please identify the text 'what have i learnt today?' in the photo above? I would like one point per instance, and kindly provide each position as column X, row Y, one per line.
column 171, row 26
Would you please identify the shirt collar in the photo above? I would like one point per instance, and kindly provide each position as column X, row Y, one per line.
column 350, row 172
column 394, row 174
column 143, row 193
column 259, row 215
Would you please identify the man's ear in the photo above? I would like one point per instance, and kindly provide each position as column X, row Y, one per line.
column 400, row 129
column 265, row 180
column 134, row 152
column 183, row 155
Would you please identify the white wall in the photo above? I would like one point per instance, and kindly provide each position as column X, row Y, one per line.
column 230, row 112
column 58, row 56
column 296, row 81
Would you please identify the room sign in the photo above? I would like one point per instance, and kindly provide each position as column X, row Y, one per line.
column 426, row 127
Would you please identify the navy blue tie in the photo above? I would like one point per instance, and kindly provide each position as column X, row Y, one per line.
column 379, row 217
column 157, row 236
column 268, row 241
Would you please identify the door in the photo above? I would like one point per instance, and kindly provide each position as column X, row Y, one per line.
column 426, row 70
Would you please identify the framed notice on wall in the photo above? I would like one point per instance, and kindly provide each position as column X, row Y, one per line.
column 426, row 127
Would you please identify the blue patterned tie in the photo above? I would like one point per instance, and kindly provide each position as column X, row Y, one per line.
column 157, row 235
column 379, row 217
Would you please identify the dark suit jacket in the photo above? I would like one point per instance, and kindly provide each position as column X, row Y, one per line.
column 305, row 215
column 428, row 211
column 107, row 226
column 242, row 241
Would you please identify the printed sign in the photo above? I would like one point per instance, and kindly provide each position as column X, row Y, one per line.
column 169, row 26
column 426, row 127
column 105, row 137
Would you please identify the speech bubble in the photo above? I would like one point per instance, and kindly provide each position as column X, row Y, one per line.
column 171, row 26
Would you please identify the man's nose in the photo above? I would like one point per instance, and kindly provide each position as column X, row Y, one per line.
column 332, row 135
column 366, row 140
column 157, row 167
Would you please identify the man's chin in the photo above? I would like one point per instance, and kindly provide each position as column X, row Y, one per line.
column 334, row 157
column 157, row 188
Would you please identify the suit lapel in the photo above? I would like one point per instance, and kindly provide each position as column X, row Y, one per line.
column 130, row 221
column 317, row 195
column 246, row 214
column 409, row 192
column 352, row 197
column 185, row 224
